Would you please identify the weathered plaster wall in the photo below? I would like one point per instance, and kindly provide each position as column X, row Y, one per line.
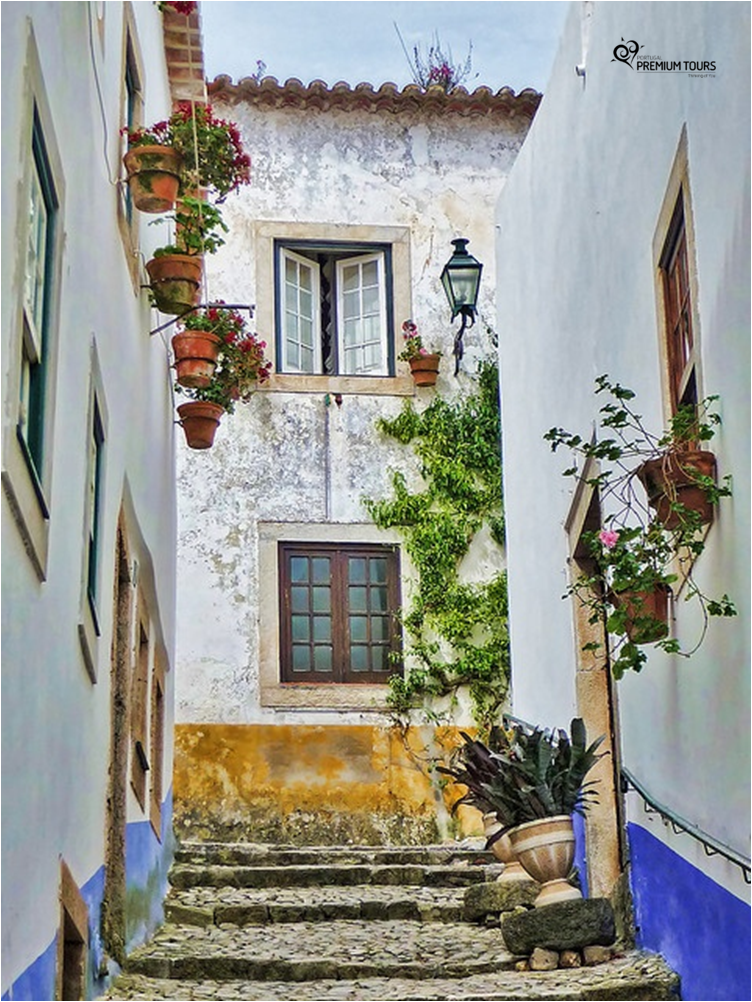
column 299, row 457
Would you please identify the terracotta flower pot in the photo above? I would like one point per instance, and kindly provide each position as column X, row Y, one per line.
column 195, row 357
column 647, row 613
column 672, row 479
column 425, row 369
column 200, row 420
column 545, row 848
column 153, row 177
column 502, row 850
column 175, row 280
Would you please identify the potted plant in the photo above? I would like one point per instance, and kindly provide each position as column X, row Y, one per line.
column 240, row 366
column 175, row 270
column 153, row 168
column 210, row 152
column 648, row 540
column 534, row 781
column 424, row 365
column 197, row 343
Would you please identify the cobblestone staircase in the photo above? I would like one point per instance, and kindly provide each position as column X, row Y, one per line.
column 251, row 922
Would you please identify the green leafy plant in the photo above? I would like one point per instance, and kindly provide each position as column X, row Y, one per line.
column 639, row 550
column 241, row 364
column 458, row 635
column 528, row 773
column 197, row 228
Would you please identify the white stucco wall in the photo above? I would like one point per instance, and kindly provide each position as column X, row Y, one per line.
column 290, row 456
column 576, row 299
column 56, row 722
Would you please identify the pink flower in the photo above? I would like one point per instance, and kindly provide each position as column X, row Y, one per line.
column 609, row 538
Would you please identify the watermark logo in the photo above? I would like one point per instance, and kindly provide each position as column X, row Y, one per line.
column 630, row 53
column 626, row 51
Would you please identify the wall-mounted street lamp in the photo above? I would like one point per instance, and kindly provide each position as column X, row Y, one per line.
column 461, row 278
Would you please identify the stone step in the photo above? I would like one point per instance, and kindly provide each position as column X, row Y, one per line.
column 257, row 906
column 636, row 976
column 259, row 854
column 459, row 874
column 314, row 951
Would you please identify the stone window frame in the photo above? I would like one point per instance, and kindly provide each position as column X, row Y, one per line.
column 72, row 939
column 367, row 696
column 266, row 235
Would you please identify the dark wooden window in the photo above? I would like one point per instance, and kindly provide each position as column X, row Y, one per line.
column 334, row 309
column 674, row 266
column 338, row 605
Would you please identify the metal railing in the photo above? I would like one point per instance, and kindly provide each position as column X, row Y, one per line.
column 679, row 825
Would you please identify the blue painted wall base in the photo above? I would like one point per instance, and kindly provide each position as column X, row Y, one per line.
column 701, row 929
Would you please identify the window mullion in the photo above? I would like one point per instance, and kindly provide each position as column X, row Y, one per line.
column 340, row 633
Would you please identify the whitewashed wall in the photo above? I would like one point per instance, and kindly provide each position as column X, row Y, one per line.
column 575, row 300
column 56, row 723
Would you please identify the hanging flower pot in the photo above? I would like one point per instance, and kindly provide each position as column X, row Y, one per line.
column 200, row 420
column 196, row 355
column 545, row 847
column 175, row 280
column 673, row 479
column 153, row 177
column 425, row 369
column 646, row 613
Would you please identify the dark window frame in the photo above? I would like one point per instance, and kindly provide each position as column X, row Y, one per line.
column 331, row 251
column 342, row 670
column 678, row 324
column 96, row 479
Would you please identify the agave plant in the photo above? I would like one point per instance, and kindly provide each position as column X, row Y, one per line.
column 531, row 773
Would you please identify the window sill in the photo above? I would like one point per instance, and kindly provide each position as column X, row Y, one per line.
column 392, row 386
column 367, row 697
column 27, row 502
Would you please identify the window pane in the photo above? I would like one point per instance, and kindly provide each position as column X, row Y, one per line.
column 299, row 569
column 306, row 333
column 358, row 600
column 299, row 599
column 379, row 658
column 359, row 658
column 359, row 628
column 377, row 568
column 306, row 275
column 291, row 274
column 378, row 599
column 371, row 300
column 350, row 277
column 379, row 628
column 293, row 355
column 357, row 570
column 353, row 334
column 322, row 658
column 306, row 304
column 370, row 273
column 306, row 359
column 322, row 629
column 301, row 628
column 351, row 305
column 301, row 658
column 321, row 570
column 322, row 600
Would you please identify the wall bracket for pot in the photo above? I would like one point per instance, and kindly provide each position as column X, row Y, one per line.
column 203, row 306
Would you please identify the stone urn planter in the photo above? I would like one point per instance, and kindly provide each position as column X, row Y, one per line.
column 672, row 479
column 502, row 850
column 200, row 420
column 196, row 355
column 425, row 369
column 545, row 848
column 153, row 177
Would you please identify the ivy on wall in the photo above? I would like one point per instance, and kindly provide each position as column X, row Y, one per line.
column 457, row 631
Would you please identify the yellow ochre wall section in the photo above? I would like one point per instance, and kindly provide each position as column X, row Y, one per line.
column 313, row 784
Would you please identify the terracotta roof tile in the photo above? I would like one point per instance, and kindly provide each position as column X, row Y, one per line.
column 269, row 93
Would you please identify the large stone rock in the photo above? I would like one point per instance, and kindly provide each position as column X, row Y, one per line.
column 493, row 897
column 565, row 925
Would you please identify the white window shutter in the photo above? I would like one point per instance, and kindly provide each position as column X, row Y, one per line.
column 300, row 313
column 361, row 316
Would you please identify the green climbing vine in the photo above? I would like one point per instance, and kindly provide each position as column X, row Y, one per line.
column 458, row 635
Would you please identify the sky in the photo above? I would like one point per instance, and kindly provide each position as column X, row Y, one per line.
column 513, row 43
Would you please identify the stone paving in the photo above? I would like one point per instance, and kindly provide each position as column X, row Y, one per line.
column 364, row 925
